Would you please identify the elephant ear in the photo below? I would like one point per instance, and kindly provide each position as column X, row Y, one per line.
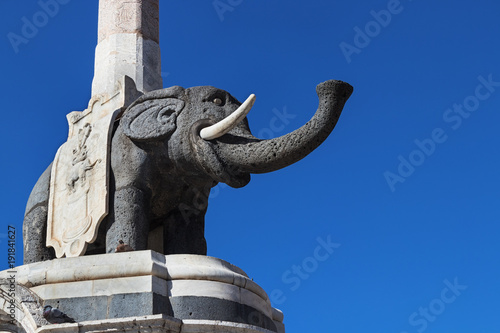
column 153, row 116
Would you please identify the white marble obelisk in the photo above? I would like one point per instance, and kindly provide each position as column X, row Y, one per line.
column 128, row 44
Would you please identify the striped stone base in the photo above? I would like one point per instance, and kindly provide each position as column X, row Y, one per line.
column 199, row 293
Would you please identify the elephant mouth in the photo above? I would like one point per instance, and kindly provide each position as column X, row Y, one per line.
column 209, row 160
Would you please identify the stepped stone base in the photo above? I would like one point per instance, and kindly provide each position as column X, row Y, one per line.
column 144, row 291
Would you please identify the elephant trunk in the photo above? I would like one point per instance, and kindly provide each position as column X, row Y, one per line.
column 261, row 156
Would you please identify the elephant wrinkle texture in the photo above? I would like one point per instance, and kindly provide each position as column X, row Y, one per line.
column 161, row 167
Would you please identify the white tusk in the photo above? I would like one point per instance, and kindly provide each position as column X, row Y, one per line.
column 225, row 125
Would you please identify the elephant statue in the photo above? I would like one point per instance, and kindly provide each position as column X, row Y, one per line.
column 169, row 148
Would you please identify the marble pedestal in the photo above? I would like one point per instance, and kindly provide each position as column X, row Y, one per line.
column 143, row 291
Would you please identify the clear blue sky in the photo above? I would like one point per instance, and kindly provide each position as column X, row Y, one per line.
column 406, row 187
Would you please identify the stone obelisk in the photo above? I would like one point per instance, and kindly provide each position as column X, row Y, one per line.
column 127, row 65
column 128, row 45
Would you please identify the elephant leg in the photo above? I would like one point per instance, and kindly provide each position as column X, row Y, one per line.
column 35, row 222
column 35, row 235
column 128, row 219
column 184, row 232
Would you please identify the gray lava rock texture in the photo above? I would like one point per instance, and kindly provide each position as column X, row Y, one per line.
column 162, row 170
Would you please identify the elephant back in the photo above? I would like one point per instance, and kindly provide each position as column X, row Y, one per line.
column 40, row 193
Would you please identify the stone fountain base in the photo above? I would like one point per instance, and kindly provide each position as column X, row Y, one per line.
column 144, row 291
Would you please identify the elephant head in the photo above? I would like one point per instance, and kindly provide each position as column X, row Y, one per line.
column 204, row 130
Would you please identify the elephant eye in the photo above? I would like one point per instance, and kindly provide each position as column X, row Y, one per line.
column 217, row 101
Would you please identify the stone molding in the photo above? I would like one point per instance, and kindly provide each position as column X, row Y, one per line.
column 139, row 263
column 152, row 324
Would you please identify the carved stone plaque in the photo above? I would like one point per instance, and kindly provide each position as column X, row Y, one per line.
column 79, row 184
